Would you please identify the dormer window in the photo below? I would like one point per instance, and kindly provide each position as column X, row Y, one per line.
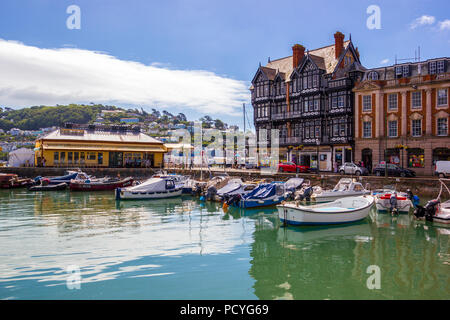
column 441, row 66
column 373, row 75
column 406, row 71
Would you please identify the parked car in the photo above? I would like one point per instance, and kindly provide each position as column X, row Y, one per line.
column 393, row 170
column 351, row 168
column 292, row 167
column 442, row 169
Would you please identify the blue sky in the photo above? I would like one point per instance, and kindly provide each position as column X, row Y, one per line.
column 219, row 40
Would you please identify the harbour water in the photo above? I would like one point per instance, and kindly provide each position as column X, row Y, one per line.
column 184, row 249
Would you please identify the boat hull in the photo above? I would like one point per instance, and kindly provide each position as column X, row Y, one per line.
column 141, row 195
column 259, row 203
column 290, row 214
column 98, row 186
column 50, row 187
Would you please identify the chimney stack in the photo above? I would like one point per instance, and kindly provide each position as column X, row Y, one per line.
column 298, row 52
column 338, row 43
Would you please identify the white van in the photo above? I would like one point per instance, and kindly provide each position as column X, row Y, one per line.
column 442, row 169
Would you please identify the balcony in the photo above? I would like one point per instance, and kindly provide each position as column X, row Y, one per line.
column 293, row 114
column 262, row 119
column 278, row 116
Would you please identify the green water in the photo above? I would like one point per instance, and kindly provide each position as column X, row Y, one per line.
column 184, row 249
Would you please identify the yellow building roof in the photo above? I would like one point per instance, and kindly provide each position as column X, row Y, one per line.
column 77, row 135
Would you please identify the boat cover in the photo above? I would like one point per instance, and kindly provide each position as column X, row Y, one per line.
column 151, row 185
column 232, row 186
column 262, row 191
column 294, row 183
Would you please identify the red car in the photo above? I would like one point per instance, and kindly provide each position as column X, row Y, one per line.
column 291, row 167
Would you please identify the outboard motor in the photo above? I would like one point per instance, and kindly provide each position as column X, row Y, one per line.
column 234, row 199
column 428, row 211
column 306, row 195
column 393, row 202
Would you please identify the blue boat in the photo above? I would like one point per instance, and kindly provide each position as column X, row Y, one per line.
column 66, row 178
column 267, row 194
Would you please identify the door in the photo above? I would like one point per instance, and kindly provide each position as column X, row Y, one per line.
column 366, row 156
column 116, row 159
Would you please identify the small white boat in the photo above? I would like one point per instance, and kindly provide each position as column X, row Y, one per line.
column 153, row 188
column 345, row 210
column 435, row 211
column 346, row 187
column 385, row 203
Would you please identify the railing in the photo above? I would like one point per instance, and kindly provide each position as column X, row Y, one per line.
column 278, row 116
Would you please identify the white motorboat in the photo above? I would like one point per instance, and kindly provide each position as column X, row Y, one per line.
column 435, row 211
column 385, row 203
column 346, row 187
column 345, row 210
column 153, row 188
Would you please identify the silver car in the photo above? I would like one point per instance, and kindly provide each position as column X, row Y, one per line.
column 351, row 168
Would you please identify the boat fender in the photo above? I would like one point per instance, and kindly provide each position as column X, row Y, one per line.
column 202, row 198
column 118, row 194
column 415, row 201
column 87, row 181
column 225, row 207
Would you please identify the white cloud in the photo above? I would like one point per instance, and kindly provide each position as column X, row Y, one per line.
column 444, row 25
column 423, row 20
column 35, row 76
column 384, row 61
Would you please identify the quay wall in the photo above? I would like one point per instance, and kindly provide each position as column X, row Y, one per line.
column 425, row 186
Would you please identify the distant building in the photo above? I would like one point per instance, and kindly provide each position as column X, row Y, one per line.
column 105, row 112
column 98, row 146
column 15, row 132
column 129, row 120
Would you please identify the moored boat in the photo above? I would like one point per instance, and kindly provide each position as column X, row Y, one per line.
column 49, row 187
column 267, row 194
column 70, row 175
column 435, row 211
column 100, row 185
column 153, row 188
column 346, row 187
column 12, row 180
column 345, row 210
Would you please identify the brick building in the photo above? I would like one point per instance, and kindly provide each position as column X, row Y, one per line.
column 402, row 114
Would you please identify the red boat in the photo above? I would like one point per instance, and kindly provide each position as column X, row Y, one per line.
column 11, row 180
column 100, row 185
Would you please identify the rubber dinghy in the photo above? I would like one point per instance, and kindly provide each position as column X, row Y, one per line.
column 345, row 210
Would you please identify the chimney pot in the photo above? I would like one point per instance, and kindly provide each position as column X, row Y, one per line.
column 298, row 52
column 338, row 44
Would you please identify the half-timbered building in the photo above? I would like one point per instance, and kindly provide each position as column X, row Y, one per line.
column 308, row 97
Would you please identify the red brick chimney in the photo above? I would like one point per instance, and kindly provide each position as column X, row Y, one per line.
column 338, row 44
column 298, row 51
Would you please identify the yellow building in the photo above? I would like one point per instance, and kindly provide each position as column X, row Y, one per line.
column 99, row 146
